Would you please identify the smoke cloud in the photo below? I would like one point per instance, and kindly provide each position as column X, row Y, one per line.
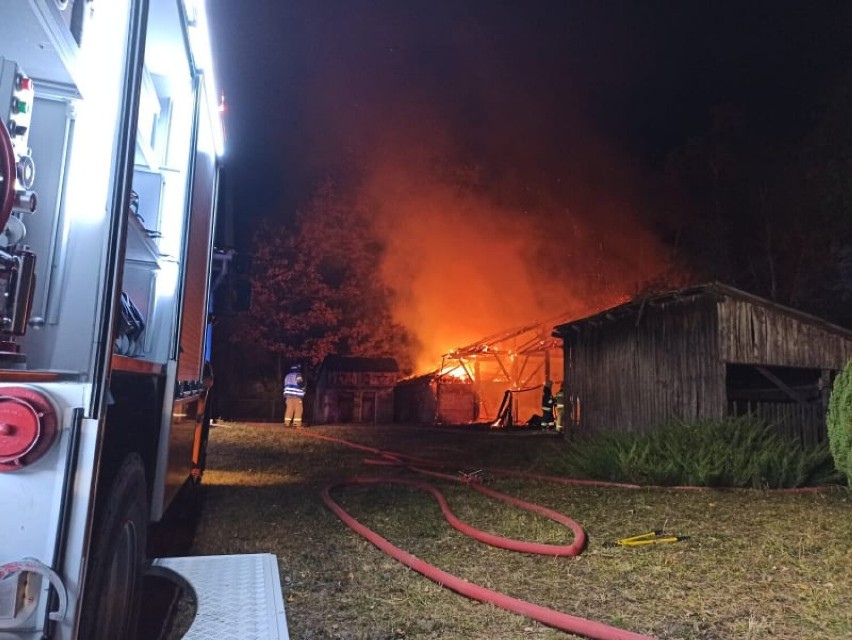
column 468, row 256
column 496, row 201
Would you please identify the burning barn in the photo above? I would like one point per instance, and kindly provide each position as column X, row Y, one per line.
column 435, row 399
column 504, row 370
column 350, row 389
column 701, row 352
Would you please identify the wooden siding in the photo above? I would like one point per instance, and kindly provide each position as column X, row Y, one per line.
column 754, row 334
column 367, row 380
column 355, row 390
column 347, row 405
column 802, row 422
column 354, row 396
column 425, row 401
column 414, row 401
column 670, row 356
column 632, row 373
column 457, row 403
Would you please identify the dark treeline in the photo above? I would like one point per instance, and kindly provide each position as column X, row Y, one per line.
column 767, row 211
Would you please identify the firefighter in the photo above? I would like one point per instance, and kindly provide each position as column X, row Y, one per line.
column 547, row 403
column 294, row 392
column 560, row 410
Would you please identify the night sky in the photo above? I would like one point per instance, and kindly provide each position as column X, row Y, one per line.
column 519, row 160
column 526, row 91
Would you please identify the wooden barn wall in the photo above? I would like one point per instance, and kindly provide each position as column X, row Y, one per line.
column 354, row 396
column 802, row 423
column 634, row 373
column 425, row 401
column 457, row 403
column 752, row 334
column 414, row 402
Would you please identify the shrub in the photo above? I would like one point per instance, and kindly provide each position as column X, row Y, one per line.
column 732, row 452
column 840, row 422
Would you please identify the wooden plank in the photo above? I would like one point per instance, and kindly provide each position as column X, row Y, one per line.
column 631, row 375
column 753, row 334
column 792, row 393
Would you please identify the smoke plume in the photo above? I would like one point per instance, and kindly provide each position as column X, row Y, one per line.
column 496, row 202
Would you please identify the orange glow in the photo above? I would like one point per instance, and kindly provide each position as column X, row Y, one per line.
column 494, row 207
column 480, row 238
column 456, row 371
column 463, row 266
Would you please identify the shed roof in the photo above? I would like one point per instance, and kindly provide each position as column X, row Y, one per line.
column 360, row 364
column 686, row 295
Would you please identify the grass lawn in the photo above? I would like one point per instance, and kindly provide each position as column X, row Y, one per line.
column 756, row 565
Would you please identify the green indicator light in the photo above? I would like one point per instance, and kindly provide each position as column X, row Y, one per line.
column 21, row 106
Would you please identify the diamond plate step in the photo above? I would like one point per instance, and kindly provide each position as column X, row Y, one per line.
column 238, row 596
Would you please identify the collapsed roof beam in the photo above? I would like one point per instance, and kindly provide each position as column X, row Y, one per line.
column 503, row 367
column 523, row 366
column 464, row 366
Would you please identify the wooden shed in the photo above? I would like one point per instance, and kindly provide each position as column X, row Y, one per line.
column 351, row 389
column 701, row 352
column 433, row 399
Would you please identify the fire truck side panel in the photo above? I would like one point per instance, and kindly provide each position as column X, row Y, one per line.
column 175, row 455
column 91, row 179
column 68, row 235
column 173, row 94
column 53, row 496
column 66, row 108
column 36, row 31
column 199, row 250
column 105, row 259
column 51, row 130
column 70, row 110
column 187, row 413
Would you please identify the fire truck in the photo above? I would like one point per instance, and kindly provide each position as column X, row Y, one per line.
column 110, row 148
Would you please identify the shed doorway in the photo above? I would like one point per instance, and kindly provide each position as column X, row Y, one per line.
column 792, row 399
column 368, row 406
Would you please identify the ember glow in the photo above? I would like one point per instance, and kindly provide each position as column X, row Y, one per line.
column 496, row 206
column 463, row 265
column 455, row 370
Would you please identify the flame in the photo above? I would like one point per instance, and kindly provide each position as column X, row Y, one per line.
column 463, row 265
column 455, row 371
column 493, row 207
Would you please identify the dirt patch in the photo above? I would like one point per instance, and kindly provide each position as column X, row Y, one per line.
column 757, row 564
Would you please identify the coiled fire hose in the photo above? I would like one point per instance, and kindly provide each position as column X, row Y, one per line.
column 549, row 617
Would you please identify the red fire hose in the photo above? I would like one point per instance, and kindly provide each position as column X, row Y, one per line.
column 549, row 617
